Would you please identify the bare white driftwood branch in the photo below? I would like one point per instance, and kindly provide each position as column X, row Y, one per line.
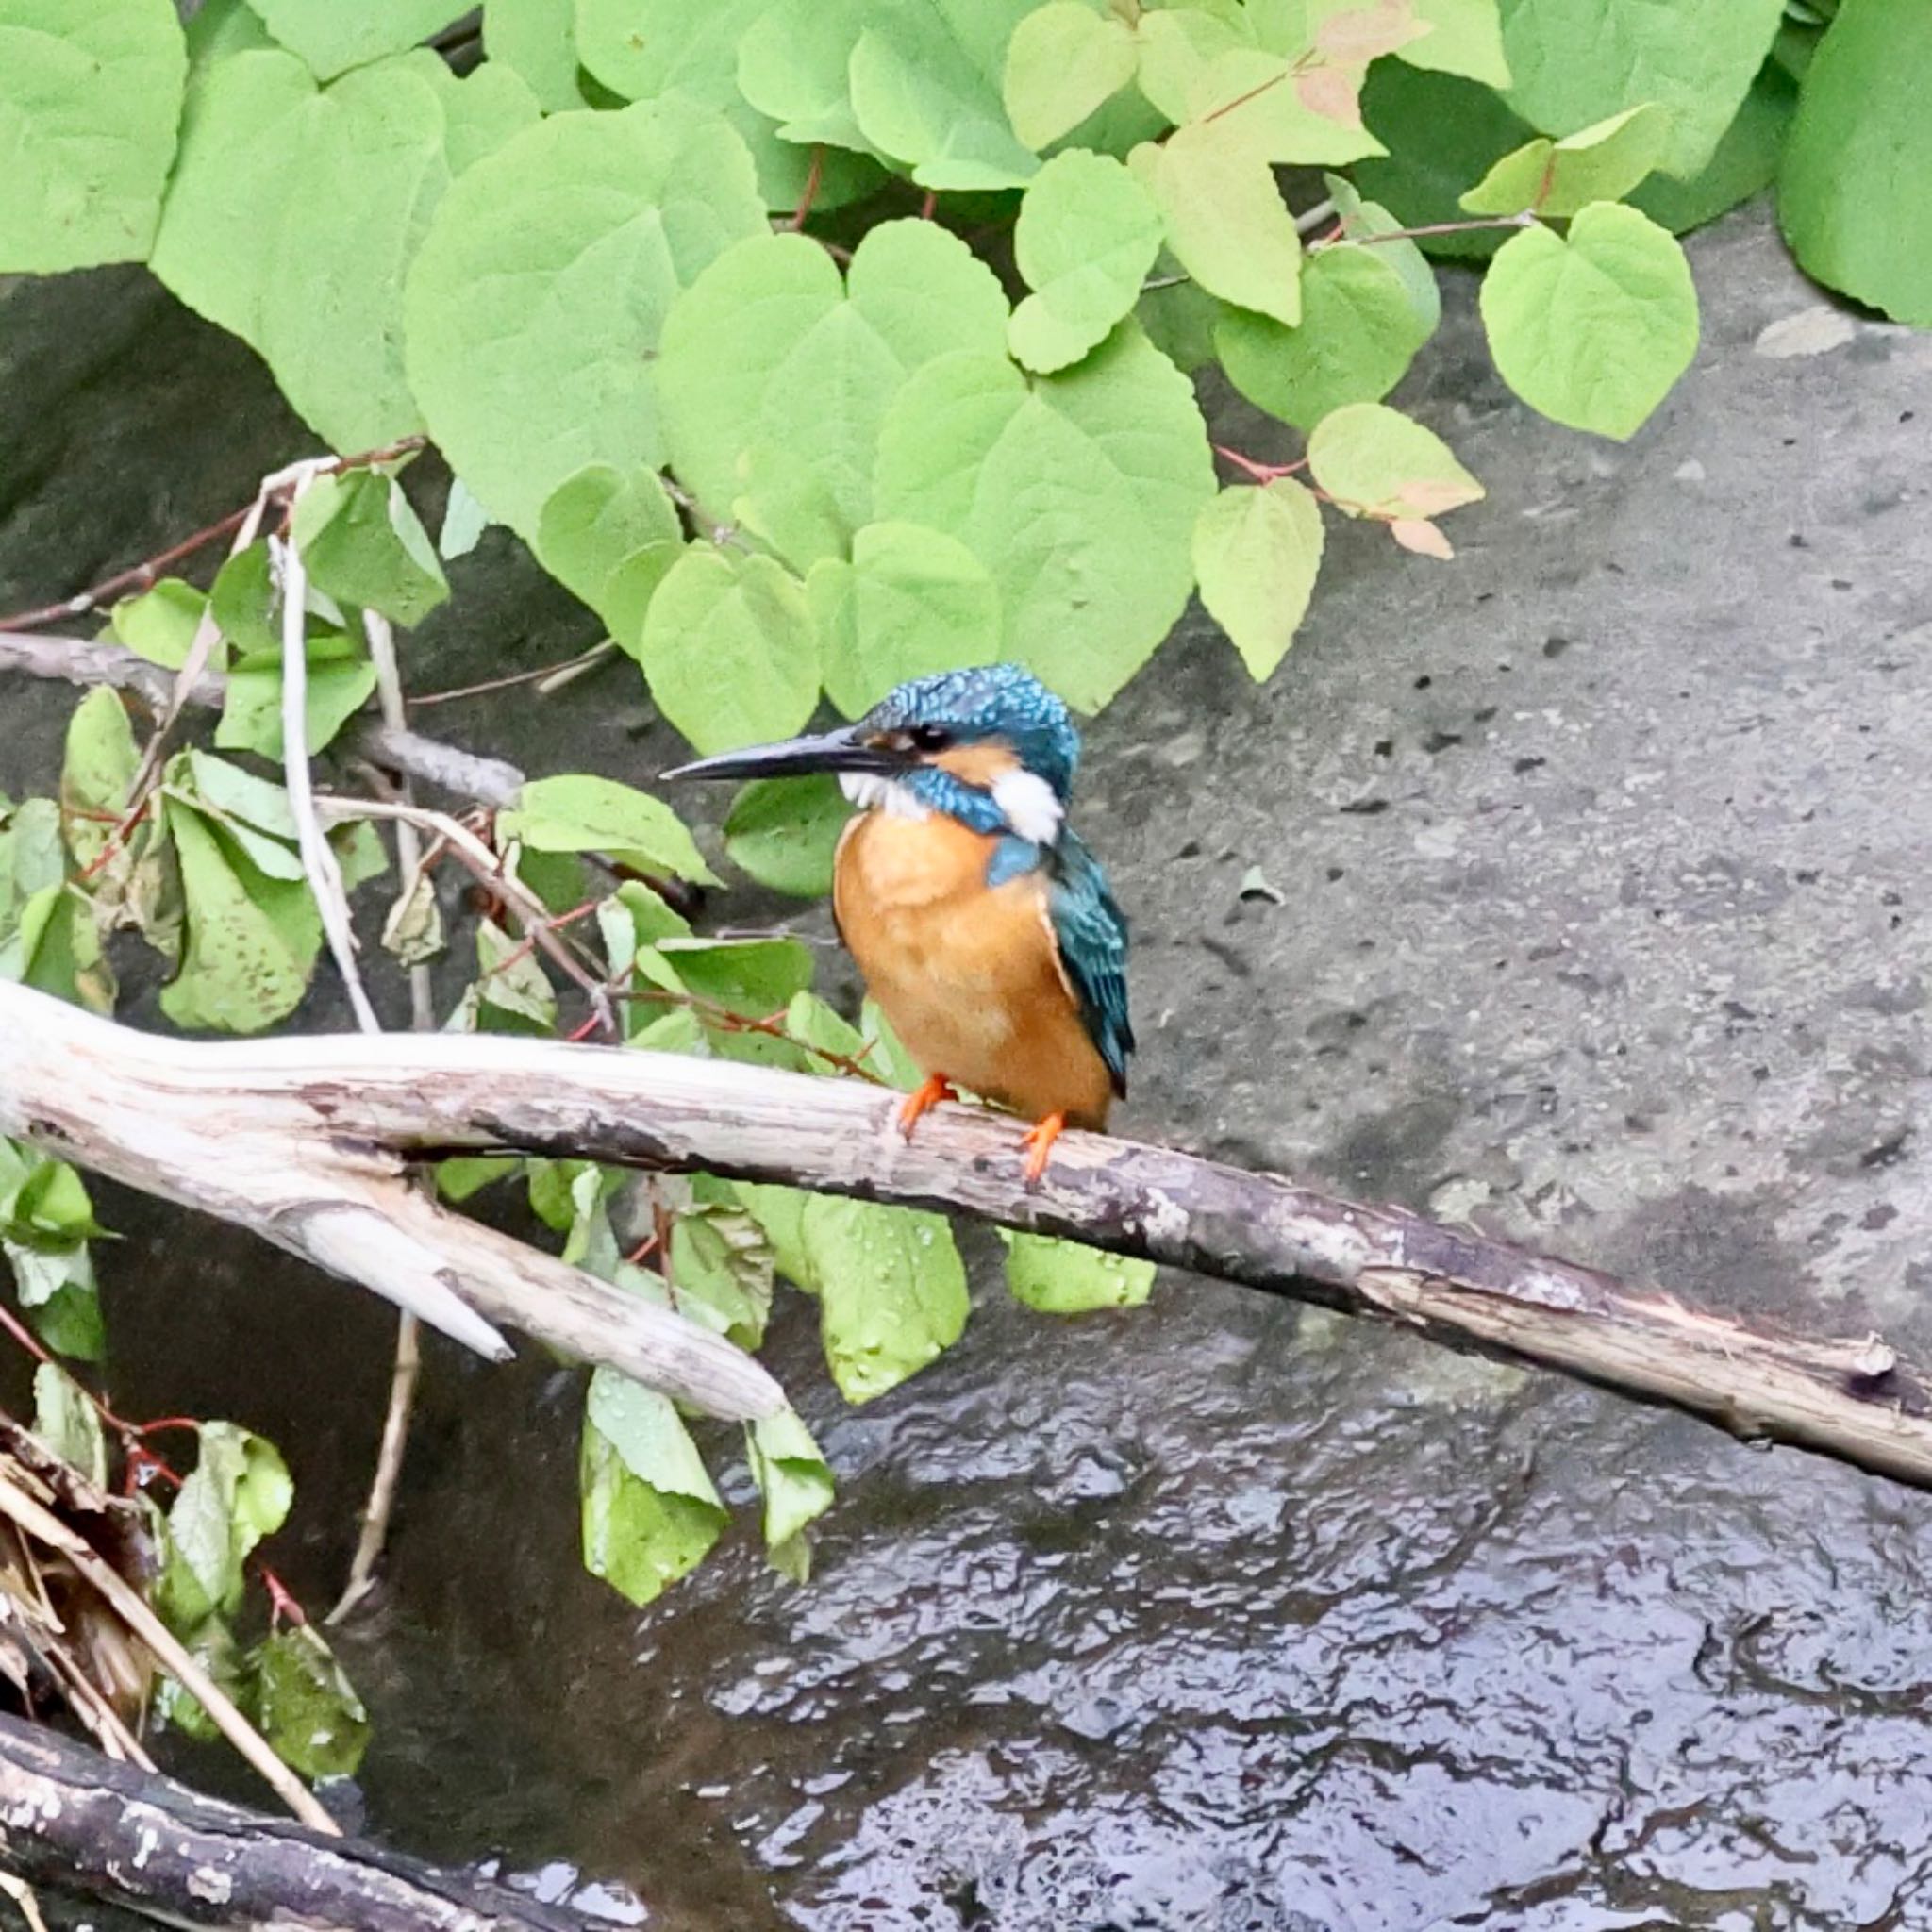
column 186, row 1121
column 319, row 864
column 327, row 1118
column 81, row 661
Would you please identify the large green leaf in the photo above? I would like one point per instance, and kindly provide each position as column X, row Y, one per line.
column 643, row 49
column 892, row 1291
column 1087, row 235
column 1577, row 62
column 1593, row 327
column 295, row 210
column 610, row 538
column 89, row 99
column 1063, row 62
column 1465, row 37
column 1258, row 552
column 784, row 831
column 1359, row 330
column 771, row 354
column 1077, row 491
column 251, row 940
column 593, row 814
column 336, row 35
column 650, row 1511
column 1225, row 217
column 535, row 303
column 911, row 600
column 1854, row 197
column 536, row 38
column 729, row 649
column 925, row 79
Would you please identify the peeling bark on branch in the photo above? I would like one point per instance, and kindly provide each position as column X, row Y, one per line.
column 332, row 1116
column 190, row 1122
column 76, row 1823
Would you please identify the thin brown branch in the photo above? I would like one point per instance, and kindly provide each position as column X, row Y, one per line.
column 547, row 677
column 144, row 576
column 138, row 578
column 373, row 1533
column 1855, row 1399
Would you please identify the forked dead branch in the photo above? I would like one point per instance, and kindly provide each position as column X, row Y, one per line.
column 308, row 1140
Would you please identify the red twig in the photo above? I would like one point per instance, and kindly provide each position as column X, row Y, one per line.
column 140, row 576
column 814, row 174
column 528, row 944
column 927, row 206
column 282, row 1604
column 1262, row 473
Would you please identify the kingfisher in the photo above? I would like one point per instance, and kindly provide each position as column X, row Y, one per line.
column 982, row 924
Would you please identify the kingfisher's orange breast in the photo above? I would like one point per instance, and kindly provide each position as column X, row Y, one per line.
column 969, row 975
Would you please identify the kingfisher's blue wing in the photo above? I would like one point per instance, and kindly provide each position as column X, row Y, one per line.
column 1091, row 932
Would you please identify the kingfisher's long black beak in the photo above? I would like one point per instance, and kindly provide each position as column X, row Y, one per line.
column 794, row 757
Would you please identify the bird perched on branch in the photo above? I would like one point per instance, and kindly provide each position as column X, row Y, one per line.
column 983, row 925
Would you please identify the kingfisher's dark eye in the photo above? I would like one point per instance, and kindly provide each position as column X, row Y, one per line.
column 928, row 738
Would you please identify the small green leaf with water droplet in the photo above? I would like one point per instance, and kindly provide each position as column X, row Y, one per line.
column 304, row 1704
column 1060, row 1277
column 650, row 1510
column 892, row 1291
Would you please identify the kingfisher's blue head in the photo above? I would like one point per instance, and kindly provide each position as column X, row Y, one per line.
column 991, row 747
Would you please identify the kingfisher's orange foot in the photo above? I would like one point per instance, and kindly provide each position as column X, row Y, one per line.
column 1039, row 1139
column 923, row 1099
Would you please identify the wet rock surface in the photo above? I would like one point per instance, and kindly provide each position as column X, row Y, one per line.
column 1605, row 926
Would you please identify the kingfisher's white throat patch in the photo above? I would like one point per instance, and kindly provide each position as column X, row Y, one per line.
column 1030, row 807
column 869, row 791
